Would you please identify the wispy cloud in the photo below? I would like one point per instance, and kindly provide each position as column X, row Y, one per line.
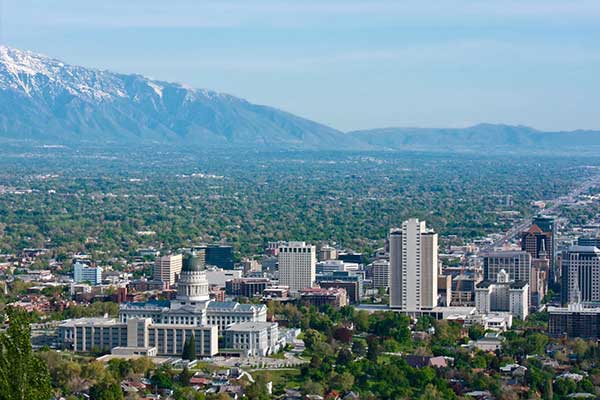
column 290, row 13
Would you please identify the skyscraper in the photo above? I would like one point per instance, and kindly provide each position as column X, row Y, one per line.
column 216, row 255
column 581, row 275
column 540, row 241
column 517, row 265
column 297, row 265
column 413, row 266
column 167, row 268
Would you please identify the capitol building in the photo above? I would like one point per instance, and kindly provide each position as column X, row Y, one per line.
column 162, row 327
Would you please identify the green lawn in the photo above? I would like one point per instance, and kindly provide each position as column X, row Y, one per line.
column 282, row 379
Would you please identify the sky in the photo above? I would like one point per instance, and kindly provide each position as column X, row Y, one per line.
column 351, row 64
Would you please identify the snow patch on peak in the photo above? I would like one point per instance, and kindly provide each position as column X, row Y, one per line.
column 157, row 88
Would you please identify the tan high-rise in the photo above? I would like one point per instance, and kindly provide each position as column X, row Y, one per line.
column 413, row 266
column 167, row 268
column 297, row 265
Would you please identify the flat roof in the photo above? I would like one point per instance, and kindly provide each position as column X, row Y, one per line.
column 249, row 326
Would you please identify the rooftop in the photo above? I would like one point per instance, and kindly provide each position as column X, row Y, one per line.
column 249, row 326
column 89, row 321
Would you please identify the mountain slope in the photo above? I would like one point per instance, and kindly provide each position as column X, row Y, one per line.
column 483, row 136
column 45, row 99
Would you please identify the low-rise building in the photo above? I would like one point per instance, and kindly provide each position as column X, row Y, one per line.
column 87, row 273
column 246, row 287
column 103, row 334
column 352, row 281
column 318, row 297
column 223, row 314
column 490, row 342
column 574, row 321
column 253, row 338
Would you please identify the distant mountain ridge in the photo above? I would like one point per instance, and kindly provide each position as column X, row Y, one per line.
column 45, row 99
column 48, row 101
column 482, row 136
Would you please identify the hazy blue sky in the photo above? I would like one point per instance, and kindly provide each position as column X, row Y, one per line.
column 350, row 64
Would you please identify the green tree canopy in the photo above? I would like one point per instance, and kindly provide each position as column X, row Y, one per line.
column 23, row 376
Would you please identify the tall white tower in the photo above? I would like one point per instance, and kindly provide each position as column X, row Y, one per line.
column 413, row 266
column 297, row 265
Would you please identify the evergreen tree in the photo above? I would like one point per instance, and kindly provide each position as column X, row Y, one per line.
column 23, row 376
column 189, row 349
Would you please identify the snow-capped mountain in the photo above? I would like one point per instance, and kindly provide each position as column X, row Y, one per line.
column 48, row 100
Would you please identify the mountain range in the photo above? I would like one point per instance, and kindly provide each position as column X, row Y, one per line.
column 46, row 100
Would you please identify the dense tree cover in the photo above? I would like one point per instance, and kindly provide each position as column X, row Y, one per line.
column 371, row 363
column 23, row 375
column 97, row 201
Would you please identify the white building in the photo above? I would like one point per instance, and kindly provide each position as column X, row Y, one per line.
column 165, row 324
column 87, row 273
column 516, row 263
column 413, row 266
column 167, row 268
column 503, row 296
column 137, row 336
column 297, row 265
column 380, row 271
column 224, row 314
column 192, row 305
column 253, row 338
column 218, row 276
column 581, row 274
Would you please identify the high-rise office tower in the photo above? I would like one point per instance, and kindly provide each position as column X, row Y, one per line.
column 216, row 255
column 413, row 266
column 380, row 274
column 517, row 265
column 540, row 241
column 167, row 268
column 297, row 265
column 580, row 275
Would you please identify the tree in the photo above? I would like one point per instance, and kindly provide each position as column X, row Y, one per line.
column 258, row 389
column 430, row 393
column 185, row 376
column 342, row 334
column 163, row 378
column 119, row 367
column 358, row 347
column 344, row 357
column 548, row 390
column 342, row 382
column 373, row 348
column 311, row 338
column 23, row 376
column 476, row 331
column 188, row 393
column 106, row 390
column 189, row 348
column 311, row 387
